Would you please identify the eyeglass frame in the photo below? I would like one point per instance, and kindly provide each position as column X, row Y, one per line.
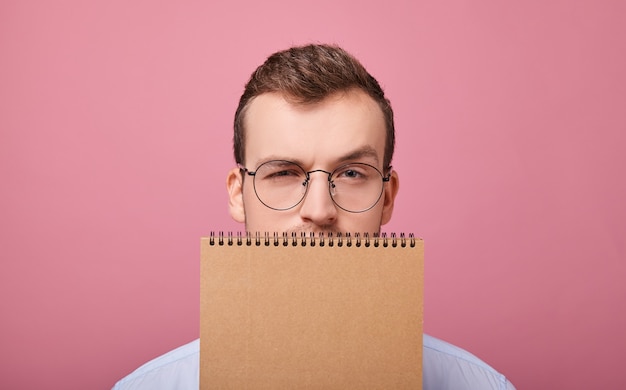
column 385, row 179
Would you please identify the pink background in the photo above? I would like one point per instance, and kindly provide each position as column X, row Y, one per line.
column 115, row 120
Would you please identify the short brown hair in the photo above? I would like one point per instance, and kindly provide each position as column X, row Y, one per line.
column 308, row 74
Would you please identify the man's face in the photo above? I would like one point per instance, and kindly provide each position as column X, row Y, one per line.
column 346, row 127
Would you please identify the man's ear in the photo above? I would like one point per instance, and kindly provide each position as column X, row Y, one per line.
column 391, row 190
column 234, row 185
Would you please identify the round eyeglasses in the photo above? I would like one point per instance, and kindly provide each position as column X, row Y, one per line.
column 282, row 185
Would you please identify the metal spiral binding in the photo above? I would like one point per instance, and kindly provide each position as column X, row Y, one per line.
column 312, row 239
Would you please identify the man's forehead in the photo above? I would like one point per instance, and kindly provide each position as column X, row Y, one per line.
column 344, row 126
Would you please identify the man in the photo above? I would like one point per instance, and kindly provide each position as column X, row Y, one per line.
column 311, row 122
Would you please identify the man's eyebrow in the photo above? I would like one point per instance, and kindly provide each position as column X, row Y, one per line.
column 275, row 157
column 365, row 151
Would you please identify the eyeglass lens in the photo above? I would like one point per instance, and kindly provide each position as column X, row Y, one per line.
column 282, row 185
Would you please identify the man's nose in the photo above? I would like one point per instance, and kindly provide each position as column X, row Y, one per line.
column 318, row 206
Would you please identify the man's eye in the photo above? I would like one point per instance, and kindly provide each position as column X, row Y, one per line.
column 351, row 174
column 283, row 174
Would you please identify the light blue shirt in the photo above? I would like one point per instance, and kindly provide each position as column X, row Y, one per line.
column 445, row 367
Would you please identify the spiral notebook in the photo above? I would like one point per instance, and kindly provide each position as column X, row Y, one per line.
column 311, row 312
